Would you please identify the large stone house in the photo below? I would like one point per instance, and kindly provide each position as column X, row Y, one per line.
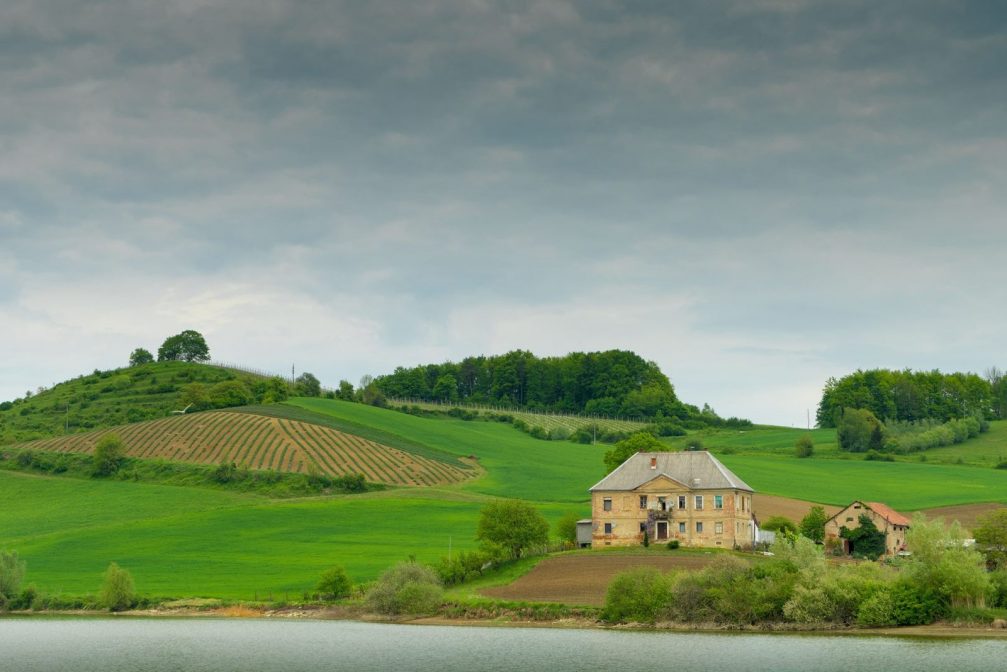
column 688, row 496
column 885, row 518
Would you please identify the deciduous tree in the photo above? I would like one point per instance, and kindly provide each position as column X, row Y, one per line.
column 108, row 455
column 813, row 524
column 512, row 527
column 991, row 537
column 641, row 442
column 140, row 356
column 187, row 346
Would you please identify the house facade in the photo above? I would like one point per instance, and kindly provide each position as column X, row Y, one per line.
column 689, row 496
column 885, row 518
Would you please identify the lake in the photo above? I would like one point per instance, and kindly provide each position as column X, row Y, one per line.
column 196, row 644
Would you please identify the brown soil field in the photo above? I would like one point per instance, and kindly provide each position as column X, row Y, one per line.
column 261, row 442
column 584, row 579
column 966, row 514
column 767, row 506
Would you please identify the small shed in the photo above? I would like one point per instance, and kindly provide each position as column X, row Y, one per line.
column 584, row 532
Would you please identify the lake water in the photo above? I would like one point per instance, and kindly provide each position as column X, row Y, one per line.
column 156, row 645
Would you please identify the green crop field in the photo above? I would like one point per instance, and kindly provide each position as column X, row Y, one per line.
column 547, row 421
column 265, row 442
column 517, row 465
column 902, row 485
column 182, row 541
column 197, row 542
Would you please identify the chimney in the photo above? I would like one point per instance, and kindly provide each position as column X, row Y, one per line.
column 696, row 482
column 653, row 463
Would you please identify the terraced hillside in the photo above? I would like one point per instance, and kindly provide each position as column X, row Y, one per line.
column 262, row 442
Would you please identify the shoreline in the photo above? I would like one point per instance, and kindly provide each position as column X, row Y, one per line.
column 933, row 631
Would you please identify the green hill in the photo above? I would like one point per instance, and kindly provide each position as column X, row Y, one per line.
column 108, row 398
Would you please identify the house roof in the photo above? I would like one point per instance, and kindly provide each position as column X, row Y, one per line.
column 698, row 470
column 883, row 510
column 888, row 513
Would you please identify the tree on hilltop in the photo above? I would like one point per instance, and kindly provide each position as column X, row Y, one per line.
column 641, row 442
column 140, row 356
column 188, row 346
column 307, row 385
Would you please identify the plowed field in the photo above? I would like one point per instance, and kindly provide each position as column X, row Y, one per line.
column 265, row 443
column 584, row 579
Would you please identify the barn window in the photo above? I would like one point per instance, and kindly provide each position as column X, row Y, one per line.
column 608, row 528
column 606, row 504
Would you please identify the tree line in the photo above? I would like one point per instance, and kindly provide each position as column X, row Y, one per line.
column 610, row 383
column 913, row 396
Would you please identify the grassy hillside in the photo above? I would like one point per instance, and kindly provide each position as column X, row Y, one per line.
column 547, row 421
column 263, row 442
column 105, row 399
column 986, row 450
column 181, row 541
column 517, row 465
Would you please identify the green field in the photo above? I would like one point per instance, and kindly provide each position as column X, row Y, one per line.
column 182, row 541
column 517, row 465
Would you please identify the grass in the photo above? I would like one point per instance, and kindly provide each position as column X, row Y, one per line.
column 105, row 399
column 902, row 485
column 517, row 465
column 216, row 436
column 547, row 421
column 201, row 542
column 192, row 542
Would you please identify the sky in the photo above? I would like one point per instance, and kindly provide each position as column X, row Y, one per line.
column 755, row 195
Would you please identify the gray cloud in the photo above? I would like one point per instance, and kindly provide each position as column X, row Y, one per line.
column 754, row 194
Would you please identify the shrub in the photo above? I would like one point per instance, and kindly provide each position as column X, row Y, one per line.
column 673, row 544
column 875, row 456
column 566, row 528
column 640, row 594
column 780, row 524
column 407, row 588
column 117, row 589
column 108, row 455
column 695, row 443
column 334, row 584
column 12, row 571
column 804, row 447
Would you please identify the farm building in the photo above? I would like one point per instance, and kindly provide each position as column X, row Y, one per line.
column 687, row 496
column 886, row 519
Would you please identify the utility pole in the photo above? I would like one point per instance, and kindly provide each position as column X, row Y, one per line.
column 808, row 411
column 291, row 374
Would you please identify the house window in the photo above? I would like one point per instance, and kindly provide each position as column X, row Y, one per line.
column 718, row 501
column 643, row 527
column 608, row 528
column 662, row 504
column 643, row 501
column 699, row 527
column 718, row 528
column 681, row 502
column 849, row 520
column 681, row 528
column 699, row 502
column 606, row 504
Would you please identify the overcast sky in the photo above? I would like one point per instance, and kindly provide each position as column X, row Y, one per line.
column 755, row 195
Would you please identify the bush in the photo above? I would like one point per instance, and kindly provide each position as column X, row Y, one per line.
column 875, row 456
column 695, row 443
column 334, row 584
column 780, row 524
column 108, row 455
column 407, row 588
column 566, row 528
column 12, row 571
column 804, row 447
column 117, row 589
column 640, row 594
column 673, row 544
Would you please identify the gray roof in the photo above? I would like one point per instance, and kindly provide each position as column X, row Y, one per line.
column 685, row 467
